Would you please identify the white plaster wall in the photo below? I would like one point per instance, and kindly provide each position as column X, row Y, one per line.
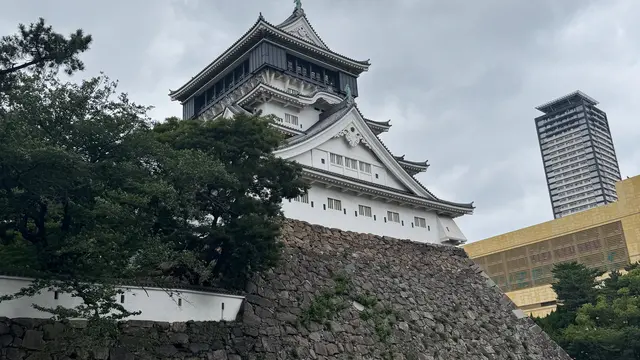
column 449, row 229
column 155, row 304
column 307, row 117
column 350, row 222
column 360, row 152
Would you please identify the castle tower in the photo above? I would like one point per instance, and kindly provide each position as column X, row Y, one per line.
column 357, row 184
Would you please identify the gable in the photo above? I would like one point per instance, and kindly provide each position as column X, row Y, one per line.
column 301, row 29
column 353, row 130
column 376, row 172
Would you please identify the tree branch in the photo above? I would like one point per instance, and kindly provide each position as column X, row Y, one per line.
column 25, row 65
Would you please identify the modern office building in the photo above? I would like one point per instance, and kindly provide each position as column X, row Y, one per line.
column 577, row 152
column 520, row 262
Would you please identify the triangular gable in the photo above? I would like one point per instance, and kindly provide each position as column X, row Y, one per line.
column 301, row 29
column 227, row 113
column 355, row 131
column 362, row 152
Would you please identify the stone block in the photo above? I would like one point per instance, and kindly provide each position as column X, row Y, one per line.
column 33, row 340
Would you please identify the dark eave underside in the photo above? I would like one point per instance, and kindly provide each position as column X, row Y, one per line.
column 460, row 209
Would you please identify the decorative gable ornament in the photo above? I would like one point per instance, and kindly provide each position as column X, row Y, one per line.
column 302, row 33
column 353, row 136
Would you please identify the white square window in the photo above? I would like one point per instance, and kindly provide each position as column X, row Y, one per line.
column 365, row 168
column 290, row 119
column 393, row 216
column 351, row 163
column 334, row 204
column 336, row 159
column 420, row 222
column 364, row 210
column 304, row 198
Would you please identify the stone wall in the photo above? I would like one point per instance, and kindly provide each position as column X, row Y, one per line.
column 336, row 295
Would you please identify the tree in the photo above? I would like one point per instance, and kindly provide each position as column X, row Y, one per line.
column 574, row 285
column 238, row 216
column 76, row 197
column 610, row 328
column 596, row 322
column 39, row 47
column 92, row 194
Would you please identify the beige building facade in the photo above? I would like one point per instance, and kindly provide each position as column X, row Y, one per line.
column 520, row 262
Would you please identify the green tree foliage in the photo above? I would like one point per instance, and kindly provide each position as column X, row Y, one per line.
column 93, row 194
column 607, row 326
column 76, row 197
column 38, row 47
column 237, row 216
column 575, row 285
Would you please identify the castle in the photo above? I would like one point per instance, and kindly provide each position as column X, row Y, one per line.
column 357, row 184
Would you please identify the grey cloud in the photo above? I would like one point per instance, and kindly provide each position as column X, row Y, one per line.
column 459, row 79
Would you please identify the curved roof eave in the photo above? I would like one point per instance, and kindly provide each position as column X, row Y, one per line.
column 176, row 94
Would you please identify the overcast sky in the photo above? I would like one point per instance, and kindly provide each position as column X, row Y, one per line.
column 459, row 79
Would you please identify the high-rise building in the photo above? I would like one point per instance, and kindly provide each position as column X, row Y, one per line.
column 357, row 184
column 578, row 155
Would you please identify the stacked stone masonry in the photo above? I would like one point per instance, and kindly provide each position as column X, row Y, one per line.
column 336, row 295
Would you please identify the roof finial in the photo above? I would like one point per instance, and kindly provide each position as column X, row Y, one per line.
column 298, row 4
column 347, row 90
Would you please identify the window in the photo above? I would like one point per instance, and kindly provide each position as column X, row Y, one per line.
column 334, row 204
column 364, row 210
column 314, row 72
column 291, row 119
column 351, row 163
column 304, row 198
column 365, row 168
column 393, row 216
column 336, row 159
column 420, row 222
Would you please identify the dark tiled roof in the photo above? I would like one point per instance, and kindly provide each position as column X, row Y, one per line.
column 276, row 31
column 379, row 123
column 335, row 113
column 413, row 163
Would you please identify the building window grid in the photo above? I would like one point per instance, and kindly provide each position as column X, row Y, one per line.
column 561, row 130
column 550, row 150
column 561, row 122
column 560, row 165
column 546, row 137
column 562, row 170
column 393, row 216
column 561, row 139
column 350, row 163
